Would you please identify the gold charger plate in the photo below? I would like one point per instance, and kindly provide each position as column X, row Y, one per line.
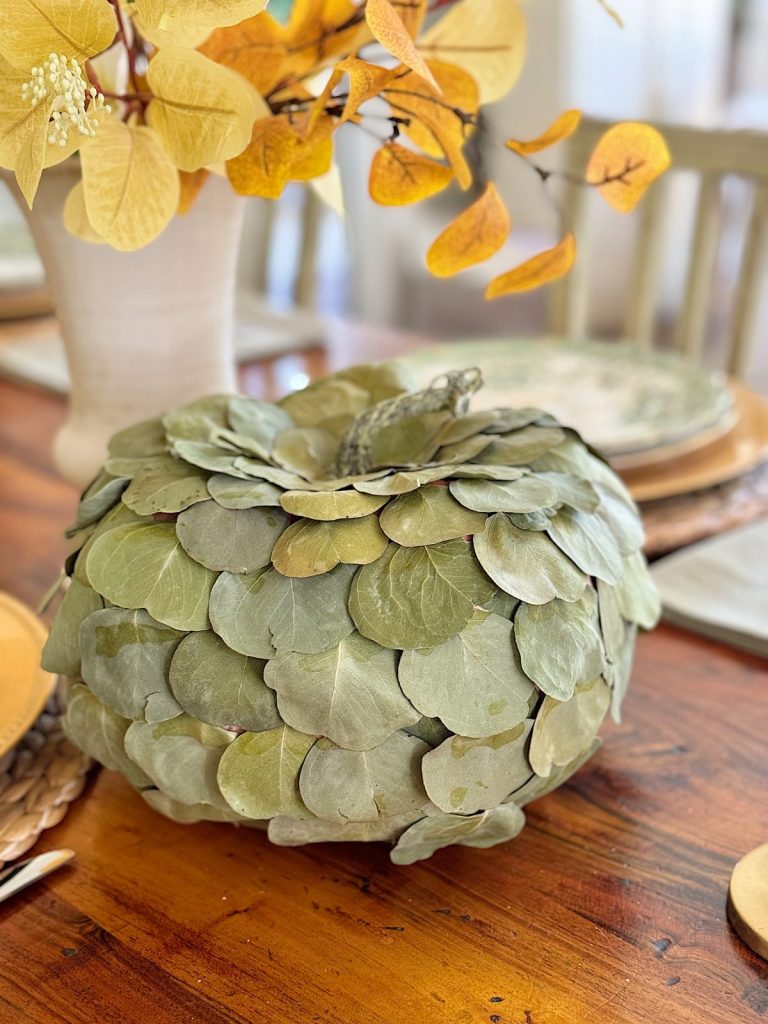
column 24, row 686
column 743, row 448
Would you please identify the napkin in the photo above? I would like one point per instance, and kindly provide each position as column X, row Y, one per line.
column 719, row 588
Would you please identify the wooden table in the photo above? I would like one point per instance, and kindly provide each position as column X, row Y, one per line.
column 609, row 909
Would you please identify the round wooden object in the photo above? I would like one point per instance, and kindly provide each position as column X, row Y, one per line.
column 748, row 900
column 24, row 686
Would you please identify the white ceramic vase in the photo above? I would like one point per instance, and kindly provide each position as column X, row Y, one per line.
column 143, row 331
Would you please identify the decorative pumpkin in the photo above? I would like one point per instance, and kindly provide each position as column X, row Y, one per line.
column 362, row 613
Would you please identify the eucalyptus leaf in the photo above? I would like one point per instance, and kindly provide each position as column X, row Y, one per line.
column 324, row 400
column 350, row 693
column 409, row 442
column 618, row 674
column 521, row 447
column 622, row 519
column 102, row 495
column 167, row 486
column 258, row 470
column 638, row 597
column 220, row 687
column 309, row 548
column 129, row 467
column 473, row 682
column 429, row 515
column 431, row 730
column 259, row 773
column 100, row 732
column 463, row 451
column 423, row 838
column 560, row 644
column 526, row 564
column 210, row 457
column 464, row 427
column 404, row 483
column 536, row 787
column 181, row 757
column 298, row 832
column 141, row 441
column 262, row 612
column 572, row 491
column 191, row 814
column 362, row 785
column 224, row 539
column 587, row 540
column 257, row 420
column 528, row 494
column 308, row 451
column 612, row 625
column 467, row 775
column 126, row 655
column 138, row 566
column 329, row 506
column 238, row 494
column 470, row 471
column 418, row 597
column 61, row 653
column 194, row 422
column 564, row 729
column 120, row 515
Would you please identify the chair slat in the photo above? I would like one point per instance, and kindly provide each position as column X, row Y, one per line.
column 689, row 336
column 568, row 308
column 752, row 277
column 641, row 316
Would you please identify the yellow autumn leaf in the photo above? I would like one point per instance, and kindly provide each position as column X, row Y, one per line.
column 627, row 159
column 400, row 176
column 388, row 30
column 313, row 155
column 541, row 269
column 413, row 13
column 440, row 122
column 24, row 146
column 33, row 29
column 255, row 48
column 76, row 217
column 560, row 129
column 131, row 187
column 318, row 31
column 487, row 38
column 264, row 167
column 190, row 185
column 174, row 15
column 203, row 112
column 366, row 81
column 473, row 237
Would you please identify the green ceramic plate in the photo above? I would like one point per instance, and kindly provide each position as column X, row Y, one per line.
column 620, row 397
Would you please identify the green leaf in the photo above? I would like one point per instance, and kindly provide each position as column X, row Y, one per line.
column 225, row 539
column 141, row 441
column 619, row 673
column 220, row 687
column 560, row 644
column 470, row 471
column 418, row 597
column 363, row 785
column 138, row 566
column 565, row 729
column 428, row 516
column 211, row 457
column 572, row 491
column 404, row 483
column 309, row 451
column 521, row 447
column 536, row 787
column 168, row 485
column 528, row 494
column 120, row 515
column 100, row 732
column 103, row 494
column 191, row 814
column 408, row 442
column 327, row 399
column 262, row 612
column 622, row 518
column 330, row 506
column 350, row 693
column 126, row 657
column 259, row 470
column 299, row 832
column 259, row 773
column 238, row 494
column 181, row 757
column 431, row 730
column 463, row 451
column 467, row 775
column 422, row 839
column 637, row 594
column 61, row 653
column 612, row 626
column 586, row 539
column 536, row 521
column 473, row 682
column 196, row 421
column 259, row 421
column 309, row 548
column 526, row 564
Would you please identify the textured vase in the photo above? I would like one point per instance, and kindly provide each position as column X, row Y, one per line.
column 144, row 330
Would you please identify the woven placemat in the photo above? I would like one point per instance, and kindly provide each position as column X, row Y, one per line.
column 39, row 779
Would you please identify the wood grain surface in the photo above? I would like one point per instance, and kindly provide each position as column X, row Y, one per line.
column 609, row 908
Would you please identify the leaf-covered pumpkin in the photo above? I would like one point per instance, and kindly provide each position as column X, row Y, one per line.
column 363, row 613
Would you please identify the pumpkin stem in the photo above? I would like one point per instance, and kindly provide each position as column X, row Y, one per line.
column 354, row 457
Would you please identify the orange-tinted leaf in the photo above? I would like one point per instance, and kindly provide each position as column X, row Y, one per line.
column 400, row 176
column 388, row 29
column 190, row 185
column 365, row 81
column 560, row 129
column 264, row 167
column 473, row 237
column 413, row 13
column 547, row 266
column 320, row 30
column 441, row 122
column 313, row 154
column 627, row 159
column 256, row 48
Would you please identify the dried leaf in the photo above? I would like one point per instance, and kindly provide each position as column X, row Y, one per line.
column 429, row 515
column 548, row 266
column 224, row 539
column 388, row 29
column 400, row 176
column 564, row 729
column 309, row 548
column 72, row 28
column 259, row 773
column 627, row 159
column 256, row 48
column 100, row 732
column 564, row 126
column 422, row 839
column 473, row 237
column 264, row 166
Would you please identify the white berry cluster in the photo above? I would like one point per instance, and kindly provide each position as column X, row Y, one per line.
column 76, row 105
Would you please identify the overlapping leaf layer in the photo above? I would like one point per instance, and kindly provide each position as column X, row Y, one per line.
column 410, row 654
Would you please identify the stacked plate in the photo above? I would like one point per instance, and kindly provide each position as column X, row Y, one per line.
column 668, row 425
column 24, row 686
